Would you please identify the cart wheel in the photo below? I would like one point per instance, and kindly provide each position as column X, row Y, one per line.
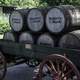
column 3, row 66
column 57, row 67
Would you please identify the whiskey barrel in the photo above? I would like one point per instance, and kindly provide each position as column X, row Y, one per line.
column 62, row 19
column 70, row 40
column 26, row 37
column 17, row 20
column 35, row 20
column 9, row 36
column 45, row 39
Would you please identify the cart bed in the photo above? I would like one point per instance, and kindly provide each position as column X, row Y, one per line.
column 38, row 52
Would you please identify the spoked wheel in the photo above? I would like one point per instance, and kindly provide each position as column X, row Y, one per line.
column 57, row 67
column 3, row 67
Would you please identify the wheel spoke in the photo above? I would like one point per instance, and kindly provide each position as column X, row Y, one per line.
column 1, row 60
column 63, row 66
column 67, row 74
column 53, row 74
column 52, row 66
column 3, row 66
column 49, row 68
column 57, row 65
column 63, row 69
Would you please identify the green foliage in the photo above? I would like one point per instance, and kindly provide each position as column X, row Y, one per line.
column 37, row 3
column 22, row 3
column 4, row 24
column 63, row 2
column 3, row 28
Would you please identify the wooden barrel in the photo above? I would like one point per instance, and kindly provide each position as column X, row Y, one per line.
column 45, row 39
column 9, row 36
column 17, row 20
column 35, row 20
column 70, row 40
column 62, row 18
column 26, row 37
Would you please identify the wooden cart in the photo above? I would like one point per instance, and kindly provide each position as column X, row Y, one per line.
column 57, row 63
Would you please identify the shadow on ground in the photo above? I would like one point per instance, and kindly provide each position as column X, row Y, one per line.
column 19, row 72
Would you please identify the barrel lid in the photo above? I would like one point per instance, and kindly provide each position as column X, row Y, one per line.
column 9, row 36
column 76, row 33
column 16, row 21
column 45, row 39
column 72, row 11
column 55, row 20
column 26, row 37
column 35, row 20
column 69, row 41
